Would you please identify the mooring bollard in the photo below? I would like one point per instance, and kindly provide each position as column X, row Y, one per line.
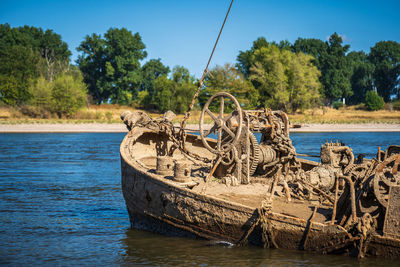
column 182, row 172
column 164, row 165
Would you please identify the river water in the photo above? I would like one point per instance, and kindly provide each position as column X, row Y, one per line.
column 61, row 204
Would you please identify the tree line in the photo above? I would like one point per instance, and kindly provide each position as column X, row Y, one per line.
column 36, row 74
column 35, row 71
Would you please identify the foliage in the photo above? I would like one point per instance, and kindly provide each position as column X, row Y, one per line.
column 396, row 104
column 373, row 101
column 9, row 90
column 53, row 54
column 41, row 92
column 34, row 69
column 143, row 99
column 151, row 70
column 286, row 80
column 110, row 65
column 164, row 89
column 337, row 104
column 230, row 80
column 68, row 95
column 63, row 96
column 331, row 60
column 36, row 76
column 329, row 57
column 47, row 43
column 185, row 87
column 245, row 58
column 336, row 70
column 361, row 78
column 385, row 56
column 174, row 94
column 18, row 66
column 25, row 54
column 315, row 47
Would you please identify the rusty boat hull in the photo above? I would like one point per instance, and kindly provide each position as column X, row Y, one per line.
column 160, row 204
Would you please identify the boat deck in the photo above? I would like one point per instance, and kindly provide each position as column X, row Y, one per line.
column 252, row 195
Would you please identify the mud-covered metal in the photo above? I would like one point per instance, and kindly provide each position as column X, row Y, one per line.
column 392, row 220
column 355, row 198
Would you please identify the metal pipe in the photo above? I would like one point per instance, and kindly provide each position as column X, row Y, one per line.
column 352, row 196
column 336, row 198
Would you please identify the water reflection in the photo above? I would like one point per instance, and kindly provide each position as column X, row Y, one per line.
column 142, row 248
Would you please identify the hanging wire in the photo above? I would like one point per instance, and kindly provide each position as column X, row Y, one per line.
column 187, row 114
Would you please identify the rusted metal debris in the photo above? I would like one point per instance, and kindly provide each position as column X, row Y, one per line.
column 359, row 198
column 392, row 218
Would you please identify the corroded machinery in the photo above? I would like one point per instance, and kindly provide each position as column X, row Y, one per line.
column 237, row 150
column 224, row 184
column 360, row 196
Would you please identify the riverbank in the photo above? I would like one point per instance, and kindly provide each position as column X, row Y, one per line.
column 110, row 114
column 120, row 128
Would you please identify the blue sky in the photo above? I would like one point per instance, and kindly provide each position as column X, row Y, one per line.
column 184, row 32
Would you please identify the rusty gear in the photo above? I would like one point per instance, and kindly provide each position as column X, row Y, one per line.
column 387, row 174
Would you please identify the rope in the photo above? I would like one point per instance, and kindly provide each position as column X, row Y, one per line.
column 187, row 114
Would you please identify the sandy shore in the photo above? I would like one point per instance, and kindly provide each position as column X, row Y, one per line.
column 368, row 127
column 64, row 128
column 120, row 128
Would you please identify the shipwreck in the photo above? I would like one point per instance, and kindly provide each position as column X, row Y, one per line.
column 235, row 188
column 239, row 189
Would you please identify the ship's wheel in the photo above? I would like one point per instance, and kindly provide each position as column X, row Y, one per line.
column 387, row 175
column 226, row 137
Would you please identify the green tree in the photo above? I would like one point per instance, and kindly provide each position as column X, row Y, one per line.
column 9, row 90
column 330, row 58
column 373, row 101
column 92, row 65
column 18, row 67
column 25, row 54
column 361, row 78
column 184, row 88
column 315, row 47
column 151, row 70
column 245, row 58
column 37, row 39
column 111, row 65
column 53, row 52
column 336, row 70
column 176, row 93
column 144, row 100
column 287, row 80
column 229, row 79
column 164, row 89
column 41, row 91
column 68, row 94
column 285, row 44
column 63, row 96
column 385, row 56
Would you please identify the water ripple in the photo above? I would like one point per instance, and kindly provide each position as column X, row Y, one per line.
column 61, row 204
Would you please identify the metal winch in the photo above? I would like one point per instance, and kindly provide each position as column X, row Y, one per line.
column 237, row 149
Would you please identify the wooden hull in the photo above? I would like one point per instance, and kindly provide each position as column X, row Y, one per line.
column 164, row 206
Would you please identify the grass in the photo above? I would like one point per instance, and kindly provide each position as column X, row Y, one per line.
column 111, row 114
column 347, row 114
